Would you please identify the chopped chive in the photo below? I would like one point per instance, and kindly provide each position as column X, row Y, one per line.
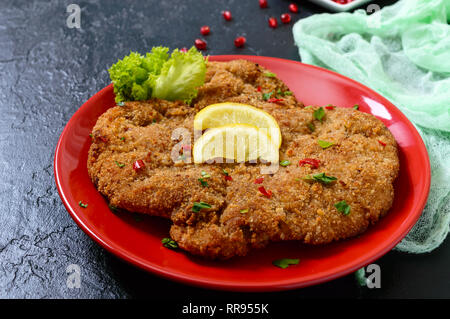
column 285, row 163
column 343, row 207
column 81, row 204
column 285, row 262
column 319, row 114
column 325, row 144
column 119, row 164
column 243, row 211
column 169, row 243
column 198, row 206
column 270, row 75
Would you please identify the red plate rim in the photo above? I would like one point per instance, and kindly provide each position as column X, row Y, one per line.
column 291, row 283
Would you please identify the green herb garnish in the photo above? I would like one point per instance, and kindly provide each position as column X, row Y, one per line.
column 356, row 107
column 113, row 208
column 198, row 206
column 325, row 144
column 285, row 262
column 122, row 138
column 270, row 75
column 321, row 177
column 225, row 171
column 91, row 135
column 308, row 107
column 119, row 164
column 169, row 243
column 287, row 93
column 285, row 163
column 311, row 126
column 267, row 96
column 342, row 207
column 203, row 182
column 205, row 175
column 243, row 211
column 319, row 114
column 81, row 204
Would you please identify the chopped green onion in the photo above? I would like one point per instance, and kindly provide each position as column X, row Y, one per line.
column 122, row 138
column 119, row 164
column 243, row 211
column 311, row 126
column 285, row 262
column 198, row 206
column 325, row 144
column 319, row 114
column 321, row 177
column 267, row 96
column 285, row 163
column 225, row 172
column 287, row 93
column 205, row 175
column 169, row 243
column 113, row 208
column 203, row 182
column 270, row 75
column 356, row 107
column 81, row 204
column 343, row 207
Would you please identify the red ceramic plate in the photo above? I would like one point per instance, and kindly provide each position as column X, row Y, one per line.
column 139, row 241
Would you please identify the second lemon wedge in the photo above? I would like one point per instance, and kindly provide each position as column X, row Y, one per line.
column 240, row 142
column 228, row 113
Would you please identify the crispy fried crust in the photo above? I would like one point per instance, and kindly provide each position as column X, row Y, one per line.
column 298, row 209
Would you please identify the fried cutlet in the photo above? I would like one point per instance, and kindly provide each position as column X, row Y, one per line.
column 363, row 159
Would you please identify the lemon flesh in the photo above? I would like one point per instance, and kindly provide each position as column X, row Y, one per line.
column 235, row 142
column 221, row 114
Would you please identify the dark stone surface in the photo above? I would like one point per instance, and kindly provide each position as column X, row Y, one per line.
column 48, row 70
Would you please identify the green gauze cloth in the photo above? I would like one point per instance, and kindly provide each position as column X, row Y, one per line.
column 403, row 52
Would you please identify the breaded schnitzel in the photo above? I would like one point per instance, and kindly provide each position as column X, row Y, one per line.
column 363, row 159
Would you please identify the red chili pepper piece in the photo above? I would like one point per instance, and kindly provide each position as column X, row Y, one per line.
column 103, row 139
column 382, row 143
column 258, row 88
column 259, row 180
column 138, row 165
column 183, row 50
column 311, row 161
column 265, row 192
column 228, row 178
column 227, row 15
column 329, row 107
column 274, row 100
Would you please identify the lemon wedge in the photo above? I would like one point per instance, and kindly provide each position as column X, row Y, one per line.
column 220, row 114
column 235, row 142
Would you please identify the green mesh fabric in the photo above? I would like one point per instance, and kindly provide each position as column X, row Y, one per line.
column 403, row 52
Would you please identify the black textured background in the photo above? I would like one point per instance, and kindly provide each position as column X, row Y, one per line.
column 48, row 70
